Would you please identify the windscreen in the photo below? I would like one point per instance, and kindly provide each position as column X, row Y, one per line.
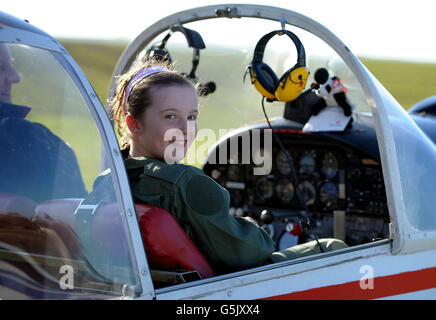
column 230, row 46
column 416, row 155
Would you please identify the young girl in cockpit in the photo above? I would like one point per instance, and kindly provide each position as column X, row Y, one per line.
column 155, row 109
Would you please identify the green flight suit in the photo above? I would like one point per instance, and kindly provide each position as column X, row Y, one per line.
column 201, row 207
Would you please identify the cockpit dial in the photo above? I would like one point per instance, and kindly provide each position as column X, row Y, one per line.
column 265, row 188
column 328, row 194
column 329, row 165
column 285, row 191
column 283, row 164
column 307, row 164
column 233, row 172
column 308, row 192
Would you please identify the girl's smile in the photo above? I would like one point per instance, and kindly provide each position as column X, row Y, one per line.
column 170, row 121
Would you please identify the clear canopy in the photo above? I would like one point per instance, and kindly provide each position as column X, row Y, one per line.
column 230, row 44
column 69, row 239
column 229, row 49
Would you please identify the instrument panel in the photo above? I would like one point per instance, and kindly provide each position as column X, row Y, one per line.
column 318, row 178
column 325, row 181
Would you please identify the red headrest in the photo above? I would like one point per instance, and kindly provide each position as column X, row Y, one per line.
column 167, row 245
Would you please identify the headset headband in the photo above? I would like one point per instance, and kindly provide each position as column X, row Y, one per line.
column 193, row 37
column 260, row 47
column 194, row 41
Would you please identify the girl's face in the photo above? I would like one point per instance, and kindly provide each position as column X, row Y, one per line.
column 168, row 126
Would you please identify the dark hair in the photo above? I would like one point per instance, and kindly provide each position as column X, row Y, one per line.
column 140, row 96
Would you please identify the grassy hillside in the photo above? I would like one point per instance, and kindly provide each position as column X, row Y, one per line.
column 407, row 82
column 97, row 59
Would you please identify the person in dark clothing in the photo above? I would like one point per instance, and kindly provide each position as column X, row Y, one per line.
column 34, row 162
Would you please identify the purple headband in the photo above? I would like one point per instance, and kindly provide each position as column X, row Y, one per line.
column 140, row 75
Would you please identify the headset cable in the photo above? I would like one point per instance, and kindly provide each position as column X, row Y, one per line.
column 297, row 186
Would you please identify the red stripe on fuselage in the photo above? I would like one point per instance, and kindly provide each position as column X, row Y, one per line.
column 382, row 287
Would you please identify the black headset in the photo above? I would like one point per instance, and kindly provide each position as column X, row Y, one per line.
column 195, row 41
column 289, row 86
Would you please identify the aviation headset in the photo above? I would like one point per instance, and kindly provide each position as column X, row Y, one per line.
column 266, row 82
column 196, row 42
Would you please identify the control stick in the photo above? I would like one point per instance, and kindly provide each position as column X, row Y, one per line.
column 266, row 216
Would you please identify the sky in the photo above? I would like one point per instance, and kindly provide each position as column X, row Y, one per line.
column 393, row 29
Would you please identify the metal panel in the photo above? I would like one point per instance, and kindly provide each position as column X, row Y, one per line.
column 18, row 36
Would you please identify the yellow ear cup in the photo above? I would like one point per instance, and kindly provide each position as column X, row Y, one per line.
column 259, row 87
column 291, row 84
column 293, row 81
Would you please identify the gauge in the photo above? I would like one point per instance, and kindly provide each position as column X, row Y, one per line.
column 329, row 166
column 215, row 174
column 283, row 164
column 287, row 240
column 307, row 164
column 285, row 191
column 308, row 192
column 328, row 194
column 265, row 188
column 233, row 172
column 235, row 197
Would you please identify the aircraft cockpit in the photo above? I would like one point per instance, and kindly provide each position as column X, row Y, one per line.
column 314, row 182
